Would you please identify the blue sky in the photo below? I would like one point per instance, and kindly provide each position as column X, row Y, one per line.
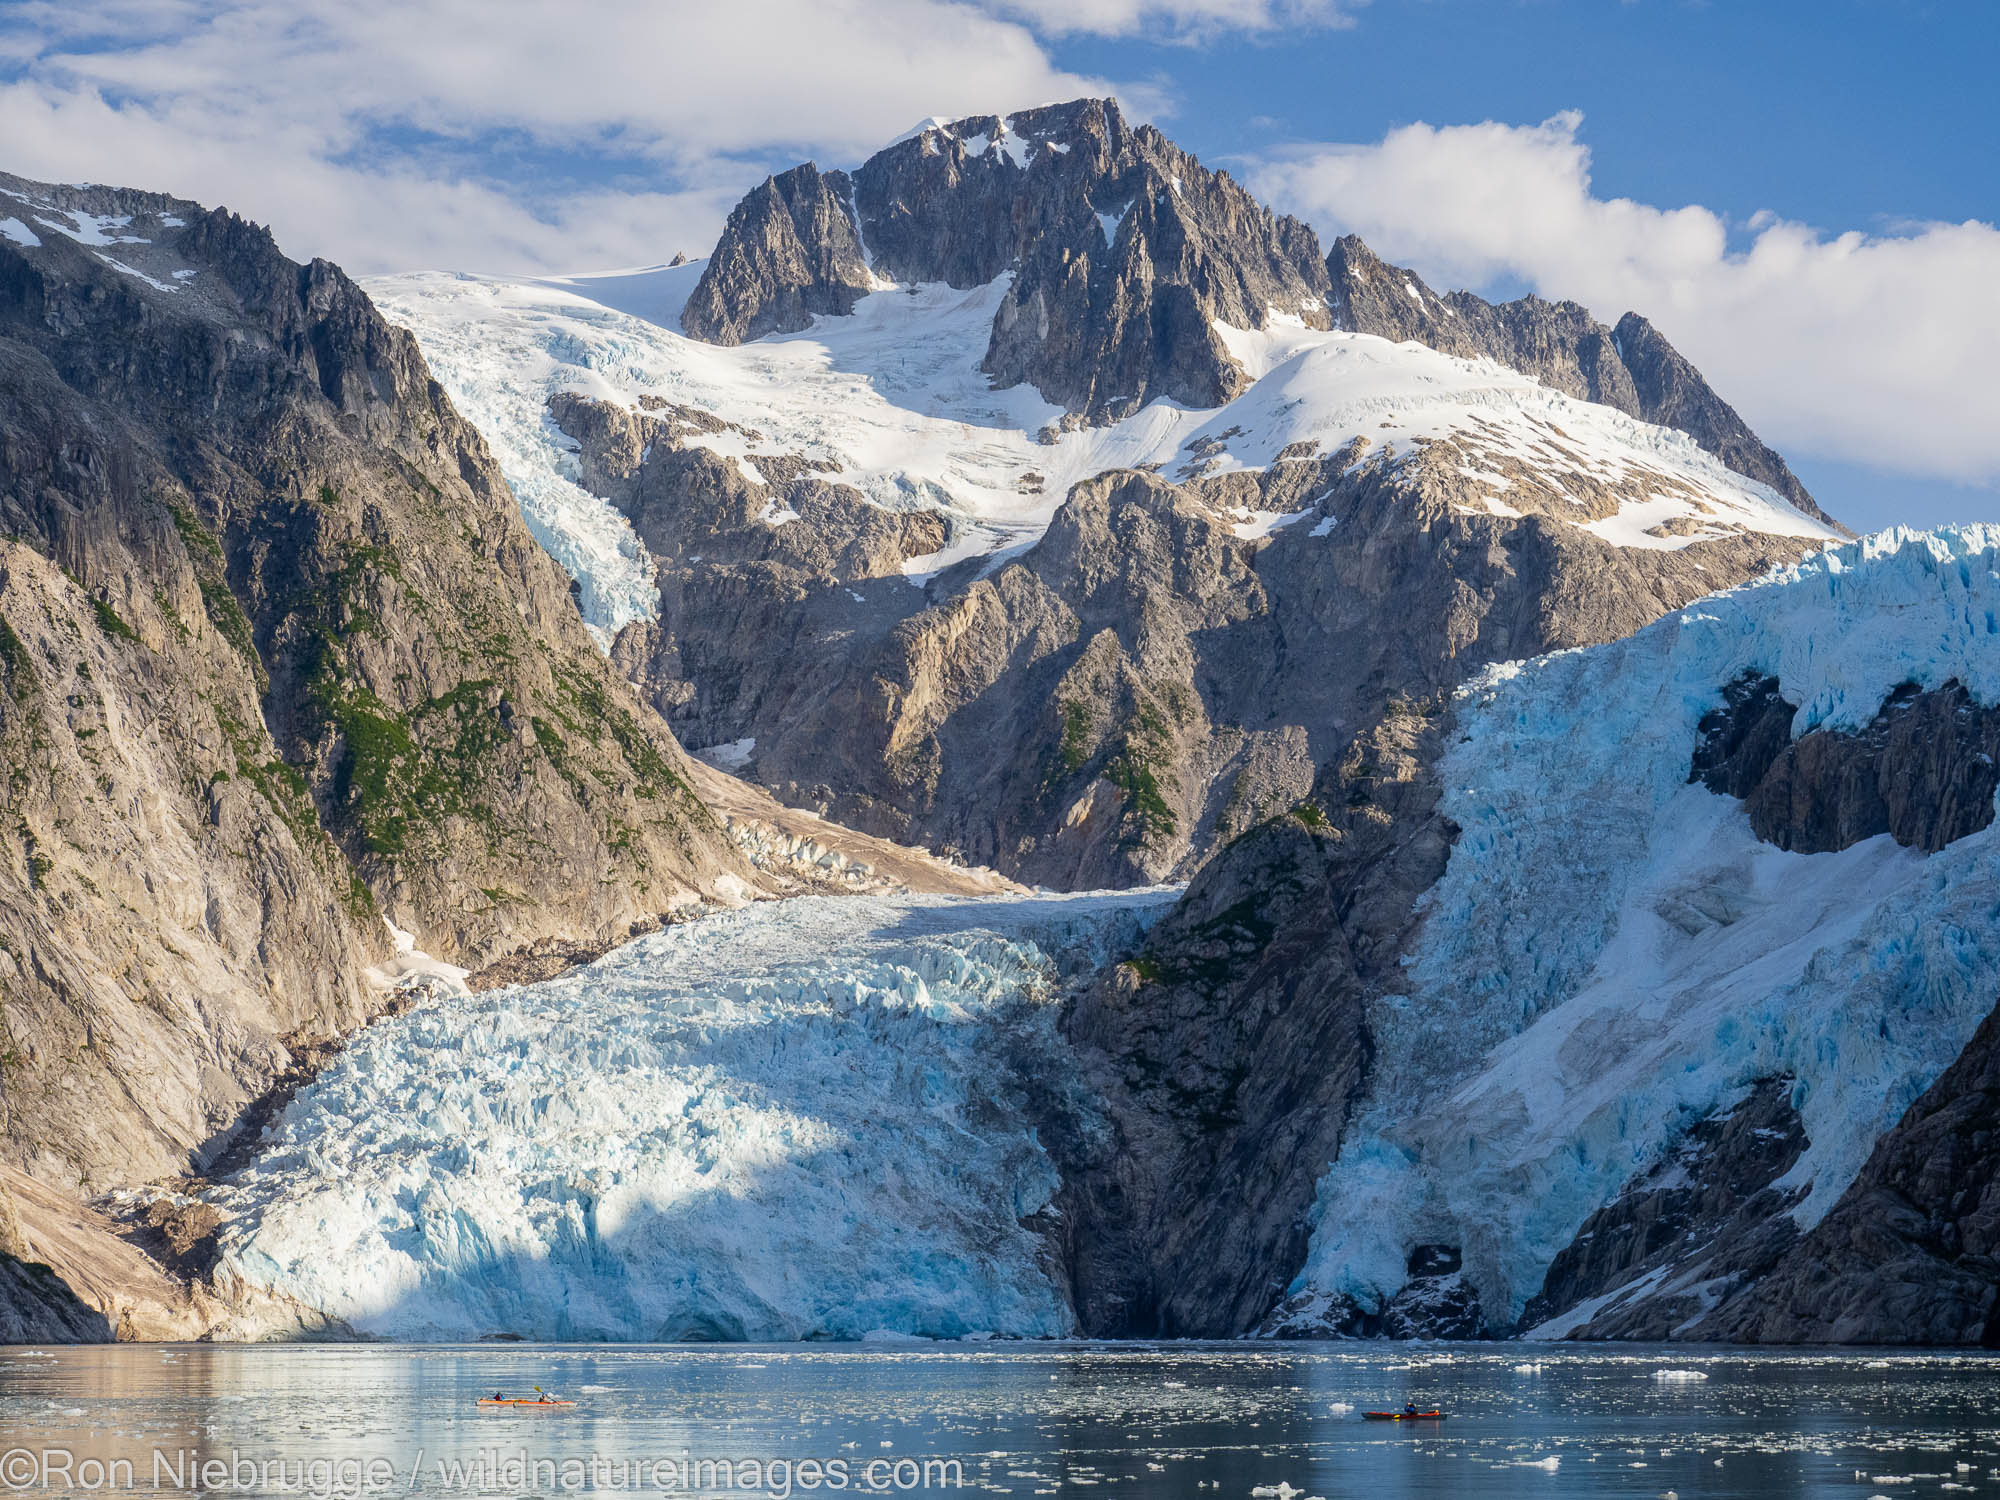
column 1842, row 113
column 1801, row 195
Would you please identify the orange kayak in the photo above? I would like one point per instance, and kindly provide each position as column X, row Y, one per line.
column 521, row 1401
column 1404, row 1416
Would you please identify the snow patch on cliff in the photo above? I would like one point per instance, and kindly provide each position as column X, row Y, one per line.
column 1612, row 954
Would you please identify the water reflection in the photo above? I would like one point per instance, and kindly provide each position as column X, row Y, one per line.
column 1169, row 1420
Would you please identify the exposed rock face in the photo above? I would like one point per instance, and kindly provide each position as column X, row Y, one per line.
column 1911, row 1253
column 1924, row 771
column 277, row 658
column 79, row 1277
column 38, row 1307
column 1136, row 689
column 1686, row 1235
column 788, row 252
column 1631, row 367
column 1124, row 250
column 36, row 1304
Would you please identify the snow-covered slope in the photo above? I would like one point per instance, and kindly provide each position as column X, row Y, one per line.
column 797, row 1120
column 894, row 396
column 1612, row 954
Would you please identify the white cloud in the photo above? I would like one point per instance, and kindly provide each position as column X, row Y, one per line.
column 1878, row 349
column 1180, row 19
column 354, row 127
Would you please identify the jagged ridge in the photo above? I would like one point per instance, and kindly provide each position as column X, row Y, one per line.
column 1631, row 367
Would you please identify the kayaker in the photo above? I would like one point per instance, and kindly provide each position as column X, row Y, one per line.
column 1409, row 1408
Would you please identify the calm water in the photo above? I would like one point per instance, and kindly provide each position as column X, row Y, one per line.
column 1077, row 1419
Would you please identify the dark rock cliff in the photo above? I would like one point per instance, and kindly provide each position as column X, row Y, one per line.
column 1911, row 1252
column 279, row 658
column 1703, row 1223
column 788, row 252
column 1923, row 771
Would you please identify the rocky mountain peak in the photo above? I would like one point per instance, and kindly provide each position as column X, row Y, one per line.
column 789, row 252
column 1124, row 252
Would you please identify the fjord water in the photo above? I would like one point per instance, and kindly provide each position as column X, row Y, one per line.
column 1021, row 1419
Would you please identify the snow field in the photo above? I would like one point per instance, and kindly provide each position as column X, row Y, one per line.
column 893, row 394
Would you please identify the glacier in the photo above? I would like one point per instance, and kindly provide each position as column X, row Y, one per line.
column 814, row 1118
column 1612, row 955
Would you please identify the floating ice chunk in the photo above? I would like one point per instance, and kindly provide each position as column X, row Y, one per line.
column 1680, row 1377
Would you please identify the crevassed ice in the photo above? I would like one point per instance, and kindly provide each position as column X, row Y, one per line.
column 1612, row 955
column 798, row 1120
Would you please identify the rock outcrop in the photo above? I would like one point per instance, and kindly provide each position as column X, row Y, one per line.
column 788, row 252
column 1923, row 772
column 278, row 659
column 1911, row 1252
column 1631, row 367
column 1702, row 1224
